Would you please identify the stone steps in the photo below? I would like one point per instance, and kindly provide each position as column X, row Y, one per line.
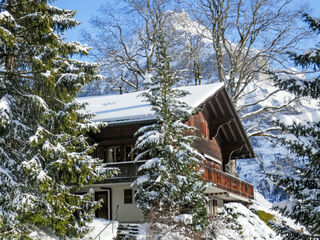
column 127, row 231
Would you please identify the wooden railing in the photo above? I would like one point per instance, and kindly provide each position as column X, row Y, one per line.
column 127, row 169
column 225, row 181
column 228, row 182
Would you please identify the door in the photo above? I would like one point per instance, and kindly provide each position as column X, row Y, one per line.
column 104, row 211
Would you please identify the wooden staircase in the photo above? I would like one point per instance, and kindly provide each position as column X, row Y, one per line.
column 127, row 231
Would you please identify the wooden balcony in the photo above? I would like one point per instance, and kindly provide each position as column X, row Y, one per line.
column 227, row 182
column 222, row 180
column 128, row 171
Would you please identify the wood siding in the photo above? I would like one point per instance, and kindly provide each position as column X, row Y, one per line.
column 227, row 182
column 206, row 144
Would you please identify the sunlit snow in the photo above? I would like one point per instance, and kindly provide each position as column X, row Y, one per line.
column 132, row 107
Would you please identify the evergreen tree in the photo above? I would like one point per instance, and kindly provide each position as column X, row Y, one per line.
column 44, row 151
column 170, row 184
column 303, row 139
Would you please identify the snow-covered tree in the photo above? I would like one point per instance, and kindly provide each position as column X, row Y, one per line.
column 44, row 151
column 303, row 140
column 170, row 184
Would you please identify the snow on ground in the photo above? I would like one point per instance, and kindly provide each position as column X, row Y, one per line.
column 260, row 203
column 234, row 222
column 97, row 226
column 43, row 235
column 167, row 233
column 143, row 232
column 238, row 222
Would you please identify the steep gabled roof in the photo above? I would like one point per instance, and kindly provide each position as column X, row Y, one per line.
column 211, row 99
column 131, row 107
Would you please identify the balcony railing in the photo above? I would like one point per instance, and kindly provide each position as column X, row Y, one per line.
column 225, row 181
column 228, row 182
column 128, row 170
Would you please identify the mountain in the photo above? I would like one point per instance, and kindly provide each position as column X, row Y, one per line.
column 261, row 101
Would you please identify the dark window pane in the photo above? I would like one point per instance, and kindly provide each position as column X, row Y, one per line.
column 118, row 154
column 128, row 196
column 127, row 153
column 100, row 152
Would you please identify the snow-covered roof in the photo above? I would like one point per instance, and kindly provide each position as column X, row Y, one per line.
column 131, row 107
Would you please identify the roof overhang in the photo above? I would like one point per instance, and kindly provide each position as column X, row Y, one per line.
column 226, row 127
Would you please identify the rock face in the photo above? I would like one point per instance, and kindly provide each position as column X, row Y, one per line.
column 272, row 156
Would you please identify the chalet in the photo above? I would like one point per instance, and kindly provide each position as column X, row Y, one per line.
column 221, row 139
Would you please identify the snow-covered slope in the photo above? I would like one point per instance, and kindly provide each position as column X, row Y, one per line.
column 235, row 221
column 238, row 222
column 272, row 156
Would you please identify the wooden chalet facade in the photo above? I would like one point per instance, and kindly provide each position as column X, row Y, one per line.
column 221, row 139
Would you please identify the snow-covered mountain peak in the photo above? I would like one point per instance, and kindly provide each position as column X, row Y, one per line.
column 183, row 24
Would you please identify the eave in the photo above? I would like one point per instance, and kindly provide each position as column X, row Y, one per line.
column 226, row 127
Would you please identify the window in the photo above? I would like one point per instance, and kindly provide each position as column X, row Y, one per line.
column 119, row 153
column 215, row 207
column 212, row 207
column 113, row 154
column 128, row 154
column 128, row 199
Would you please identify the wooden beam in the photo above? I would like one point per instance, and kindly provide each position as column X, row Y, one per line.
column 221, row 111
column 228, row 150
column 219, row 121
column 232, row 147
column 216, row 124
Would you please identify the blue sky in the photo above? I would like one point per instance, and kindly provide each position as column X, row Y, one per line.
column 85, row 10
column 88, row 8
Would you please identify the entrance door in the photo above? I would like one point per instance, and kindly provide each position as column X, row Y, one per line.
column 104, row 211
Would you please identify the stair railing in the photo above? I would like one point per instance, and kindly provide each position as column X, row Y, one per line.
column 114, row 218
